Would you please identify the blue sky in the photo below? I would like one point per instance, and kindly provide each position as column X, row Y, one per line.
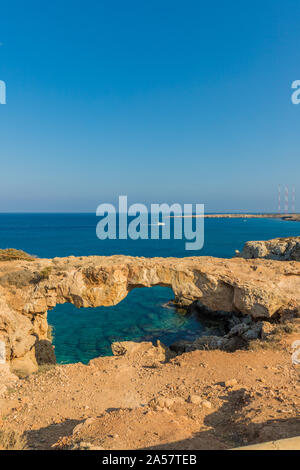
column 164, row 101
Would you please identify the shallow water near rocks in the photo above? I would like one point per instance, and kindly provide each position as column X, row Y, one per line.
column 82, row 334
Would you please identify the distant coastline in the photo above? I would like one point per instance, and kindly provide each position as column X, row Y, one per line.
column 290, row 217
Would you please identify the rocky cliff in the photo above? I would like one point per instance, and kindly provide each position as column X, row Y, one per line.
column 283, row 249
column 28, row 289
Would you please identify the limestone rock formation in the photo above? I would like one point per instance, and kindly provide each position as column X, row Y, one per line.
column 28, row 289
column 283, row 249
column 239, row 335
column 143, row 353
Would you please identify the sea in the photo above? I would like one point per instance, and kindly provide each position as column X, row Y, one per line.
column 80, row 335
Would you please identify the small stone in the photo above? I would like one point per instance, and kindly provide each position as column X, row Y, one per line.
column 89, row 421
column 206, row 404
column 179, row 400
column 160, row 402
column 195, row 399
column 84, row 445
column 168, row 402
column 267, row 329
column 230, row 383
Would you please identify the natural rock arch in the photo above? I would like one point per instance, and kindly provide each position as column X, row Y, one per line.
column 145, row 314
column 28, row 289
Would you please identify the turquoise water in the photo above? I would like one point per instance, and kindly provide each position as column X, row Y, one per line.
column 82, row 334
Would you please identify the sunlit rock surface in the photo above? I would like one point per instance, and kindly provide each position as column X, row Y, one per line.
column 28, row 289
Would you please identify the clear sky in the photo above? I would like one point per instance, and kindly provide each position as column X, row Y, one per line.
column 163, row 101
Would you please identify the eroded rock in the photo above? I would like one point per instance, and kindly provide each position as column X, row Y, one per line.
column 283, row 249
column 258, row 289
column 142, row 353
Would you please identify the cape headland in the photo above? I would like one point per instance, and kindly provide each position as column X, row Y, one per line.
column 292, row 217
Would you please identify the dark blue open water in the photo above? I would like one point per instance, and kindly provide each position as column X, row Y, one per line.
column 82, row 334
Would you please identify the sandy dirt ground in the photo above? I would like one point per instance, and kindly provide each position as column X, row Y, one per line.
column 198, row 400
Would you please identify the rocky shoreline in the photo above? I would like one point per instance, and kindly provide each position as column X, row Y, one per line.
column 281, row 249
column 216, row 392
column 257, row 288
